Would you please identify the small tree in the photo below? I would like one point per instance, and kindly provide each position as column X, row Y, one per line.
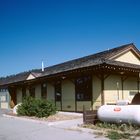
column 36, row 107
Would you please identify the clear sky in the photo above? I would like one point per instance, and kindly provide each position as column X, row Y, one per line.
column 59, row 30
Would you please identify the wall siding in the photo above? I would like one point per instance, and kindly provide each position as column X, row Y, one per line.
column 38, row 91
column 112, row 92
column 96, row 92
column 68, row 95
column 27, row 92
column 129, row 57
column 19, row 95
column 130, row 85
column 58, row 105
column 50, row 92
column 87, row 105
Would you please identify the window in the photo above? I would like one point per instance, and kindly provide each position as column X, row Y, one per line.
column 3, row 90
column 3, row 98
column 32, row 92
column 83, row 88
column 44, row 91
column 132, row 93
column 23, row 92
column 58, row 91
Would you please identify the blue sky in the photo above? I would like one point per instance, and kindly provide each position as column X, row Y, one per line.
column 59, row 30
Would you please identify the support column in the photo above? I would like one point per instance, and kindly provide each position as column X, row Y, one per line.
column 123, row 78
column 102, row 90
column 138, row 82
column 102, row 77
column 122, row 81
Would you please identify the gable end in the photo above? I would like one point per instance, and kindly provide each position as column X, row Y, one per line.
column 129, row 56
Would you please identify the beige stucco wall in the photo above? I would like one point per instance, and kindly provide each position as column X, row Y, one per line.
column 130, row 86
column 27, row 92
column 86, row 104
column 19, row 95
column 128, row 57
column 96, row 92
column 38, row 91
column 68, row 95
column 112, row 89
column 50, row 92
column 58, row 105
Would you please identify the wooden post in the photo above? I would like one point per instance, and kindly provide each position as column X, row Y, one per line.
column 122, row 81
column 102, row 90
column 102, row 77
column 123, row 78
column 83, row 114
column 138, row 82
column 118, row 90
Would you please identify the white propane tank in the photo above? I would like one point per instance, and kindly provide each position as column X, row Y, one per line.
column 119, row 114
column 15, row 108
column 123, row 102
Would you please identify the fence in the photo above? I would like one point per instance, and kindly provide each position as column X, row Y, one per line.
column 90, row 116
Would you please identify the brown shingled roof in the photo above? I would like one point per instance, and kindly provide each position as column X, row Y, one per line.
column 16, row 78
column 91, row 60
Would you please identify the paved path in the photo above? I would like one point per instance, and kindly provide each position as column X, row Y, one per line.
column 2, row 111
column 13, row 129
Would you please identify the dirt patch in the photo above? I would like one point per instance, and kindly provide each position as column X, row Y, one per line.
column 53, row 118
column 60, row 117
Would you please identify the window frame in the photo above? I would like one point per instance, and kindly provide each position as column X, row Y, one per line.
column 58, row 90
column 24, row 92
column 83, row 89
column 44, row 90
column 32, row 92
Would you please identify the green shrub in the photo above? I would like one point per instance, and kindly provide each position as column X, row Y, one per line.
column 36, row 107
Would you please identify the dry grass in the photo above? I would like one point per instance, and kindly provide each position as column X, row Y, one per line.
column 114, row 131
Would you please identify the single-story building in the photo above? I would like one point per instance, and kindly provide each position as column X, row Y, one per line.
column 94, row 80
column 4, row 98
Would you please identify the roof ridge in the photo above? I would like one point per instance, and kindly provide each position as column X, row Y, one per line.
column 91, row 55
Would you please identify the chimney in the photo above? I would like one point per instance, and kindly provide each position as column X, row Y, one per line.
column 42, row 66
